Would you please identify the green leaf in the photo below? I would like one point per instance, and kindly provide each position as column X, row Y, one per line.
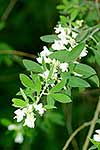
column 84, row 70
column 58, row 86
column 77, row 82
column 97, row 57
column 24, row 95
column 2, row 25
column 59, row 7
column 97, row 54
column 94, row 80
column 37, row 83
column 29, row 92
column 50, row 100
column 49, row 38
column 32, row 66
column 4, row 46
column 63, row 20
column 49, row 107
column 51, row 71
column 60, row 55
column 5, row 122
column 94, row 142
column 93, row 147
column 75, row 52
column 74, row 13
column 86, row 34
column 26, row 81
column 19, row 102
column 62, row 98
column 82, row 36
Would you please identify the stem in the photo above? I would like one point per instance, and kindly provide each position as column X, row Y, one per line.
column 19, row 53
column 93, row 39
column 68, row 118
column 44, row 88
column 97, row 111
column 8, row 10
column 97, row 6
column 75, row 133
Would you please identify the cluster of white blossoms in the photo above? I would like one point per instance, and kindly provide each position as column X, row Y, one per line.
column 66, row 41
column 44, row 56
column 19, row 136
column 96, row 136
column 27, row 114
column 67, row 36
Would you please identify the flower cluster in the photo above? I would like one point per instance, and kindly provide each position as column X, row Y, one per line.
column 66, row 36
column 66, row 41
column 28, row 114
column 18, row 132
column 52, row 71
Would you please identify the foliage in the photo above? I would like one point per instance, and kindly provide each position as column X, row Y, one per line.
column 61, row 68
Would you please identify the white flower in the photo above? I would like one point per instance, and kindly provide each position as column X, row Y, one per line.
column 54, row 76
column 43, row 55
column 30, row 120
column 77, row 74
column 59, row 29
column 62, row 37
column 96, row 137
column 12, row 127
column 39, row 108
column 83, row 53
column 74, row 34
column 44, row 74
column 45, row 52
column 55, row 62
column 79, row 23
column 72, row 42
column 19, row 138
column 68, row 30
column 52, row 84
column 19, row 115
column 58, row 45
column 39, row 59
column 28, row 109
column 76, row 62
column 46, row 60
column 64, row 67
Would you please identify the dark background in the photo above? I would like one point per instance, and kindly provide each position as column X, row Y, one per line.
column 20, row 29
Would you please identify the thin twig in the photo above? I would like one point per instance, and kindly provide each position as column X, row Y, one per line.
column 97, row 111
column 8, row 10
column 68, row 119
column 19, row 53
column 97, row 6
column 75, row 133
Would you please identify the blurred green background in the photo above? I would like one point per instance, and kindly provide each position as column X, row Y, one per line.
column 22, row 22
